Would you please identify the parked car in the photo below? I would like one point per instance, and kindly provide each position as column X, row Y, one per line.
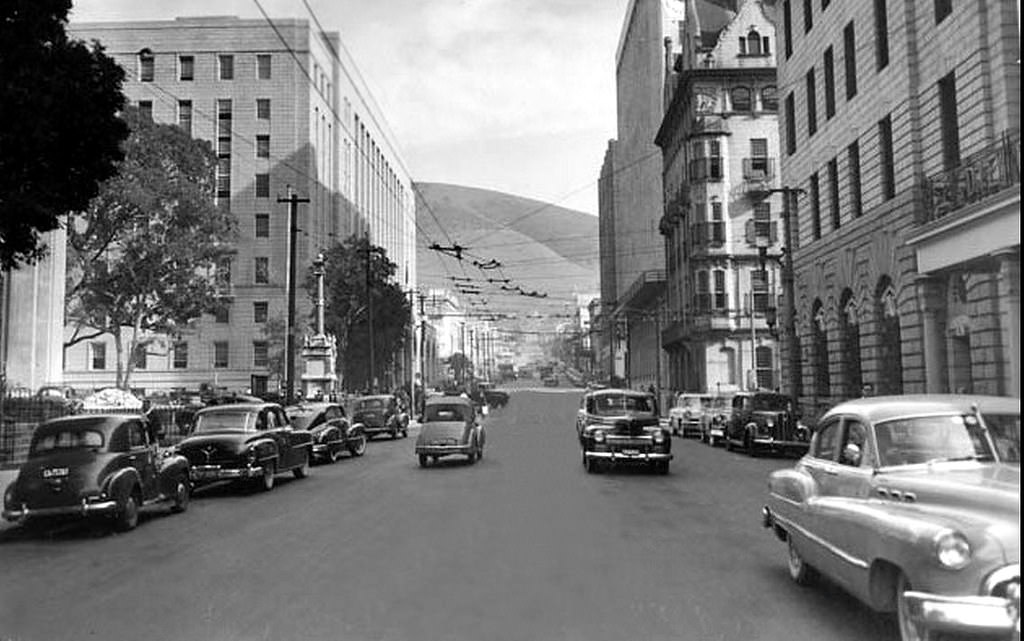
column 622, row 427
column 686, row 413
column 380, row 414
column 450, row 426
column 493, row 396
column 332, row 433
column 910, row 504
column 714, row 420
column 96, row 464
column 246, row 442
column 765, row 422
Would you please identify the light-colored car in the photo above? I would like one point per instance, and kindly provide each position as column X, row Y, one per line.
column 911, row 504
column 450, row 426
column 714, row 419
column 686, row 413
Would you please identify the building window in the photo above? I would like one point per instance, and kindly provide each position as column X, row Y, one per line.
column 764, row 363
column 260, row 354
column 180, row 355
column 762, row 231
column 226, row 64
column 263, row 108
column 186, row 68
column 717, row 224
column 99, row 355
column 146, row 109
column 812, row 103
column 853, row 164
column 223, row 277
column 263, row 185
column 261, row 274
column 260, row 311
column 808, row 16
column 822, row 379
column 262, row 225
column 754, row 44
column 224, row 116
column 220, row 354
column 262, row 146
column 850, row 60
column 769, row 99
column 729, row 356
column 787, row 28
column 948, row 119
column 814, row 193
column 185, row 115
column 881, row 35
column 146, row 65
column 741, row 99
column 887, row 158
column 833, row 192
column 790, row 125
column 263, row 66
column 849, row 327
column 224, row 177
column 942, row 9
column 703, row 301
column 139, row 357
column 890, row 355
column 222, row 313
column 760, row 297
column 720, row 298
column 830, row 84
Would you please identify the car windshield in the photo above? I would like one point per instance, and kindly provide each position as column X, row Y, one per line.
column 301, row 418
column 691, row 402
column 613, row 405
column 771, row 403
column 370, row 404
column 446, row 413
column 1005, row 432
column 924, row 439
column 226, row 421
column 71, row 438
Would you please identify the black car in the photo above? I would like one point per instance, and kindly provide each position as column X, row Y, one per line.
column 96, row 464
column 765, row 422
column 246, row 442
column 332, row 433
column 493, row 396
column 622, row 427
column 380, row 414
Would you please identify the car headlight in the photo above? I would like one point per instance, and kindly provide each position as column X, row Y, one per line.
column 599, row 436
column 952, row 549
column 9, row 495
column 659, row 437
column 770, row 423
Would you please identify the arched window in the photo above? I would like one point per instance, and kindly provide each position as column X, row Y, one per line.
column 849, row 328
column 769, row 99
column 890, row 355
column 741, row 99
column 753, row 43
column 819, row 338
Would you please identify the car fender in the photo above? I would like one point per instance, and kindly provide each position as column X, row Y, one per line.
column 266, row 449
column 120, row 484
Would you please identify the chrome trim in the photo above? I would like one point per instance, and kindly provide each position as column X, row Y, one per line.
column 216, row 472
column 1004, row 574
column 849, row 558
column 974, row 614
column 641, row 456
column 82, row 509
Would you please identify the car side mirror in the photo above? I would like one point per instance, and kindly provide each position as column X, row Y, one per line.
column 851, row 454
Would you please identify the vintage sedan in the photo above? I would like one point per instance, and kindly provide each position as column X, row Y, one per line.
column 380, row 414
column 765, row 422
column 909, row 503
column 687, row 412
column 96, row 464
column 332, row 433
column 246, row 442
column 622, row 427
column 450, row 426
column 715, row 419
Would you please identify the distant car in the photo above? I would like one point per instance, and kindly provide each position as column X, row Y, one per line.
column 450, row 426
column 550, row 381
column 331, row 431
column 912, row 505
column 765, row 422
column 684, row 417
column 493, row 396
column 96, row 464
column 380, row 414
column 246, row 442
column 714, row 419
column 622, row 427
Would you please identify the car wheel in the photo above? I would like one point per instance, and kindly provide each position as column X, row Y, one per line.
column 711, row 440
column 127, row 514
column 266, row 481
column 748, row 443
column 359, row 447
column 394, row 435
column 909, row 631
column 592, row 465
column 423, row 460
column 799, row 571
column 302, row 471
column 728, row 443
column 182, row 495
column 661, row 467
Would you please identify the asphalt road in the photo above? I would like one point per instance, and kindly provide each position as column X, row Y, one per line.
column 523, row 546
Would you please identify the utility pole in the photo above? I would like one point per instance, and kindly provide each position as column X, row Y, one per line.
column 370, row 379
column 289, row 341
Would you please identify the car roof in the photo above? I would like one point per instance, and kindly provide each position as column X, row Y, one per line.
column 251, row 407
column 617, row 391
column 375, row 397
column 92, row 421
column 882, row 408
column 317, row 406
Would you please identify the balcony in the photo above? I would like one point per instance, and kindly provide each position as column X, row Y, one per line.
column 759, row 169
column 709, row 125
column 979, row 176
column 644, row 290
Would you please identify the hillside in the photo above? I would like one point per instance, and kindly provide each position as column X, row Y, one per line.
column 540, row 247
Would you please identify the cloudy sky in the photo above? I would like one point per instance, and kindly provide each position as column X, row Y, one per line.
column 512, row 95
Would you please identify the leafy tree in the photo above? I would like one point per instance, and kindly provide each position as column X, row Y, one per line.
column 151, row 253
column 59, row 129
column 346, row 312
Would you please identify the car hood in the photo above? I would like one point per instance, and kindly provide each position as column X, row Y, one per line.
column 625, row 423
column 441, row 429
column 235, row 441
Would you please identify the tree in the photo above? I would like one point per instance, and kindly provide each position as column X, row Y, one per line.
column 152, row 251
column 59, row 129
column 346, row 312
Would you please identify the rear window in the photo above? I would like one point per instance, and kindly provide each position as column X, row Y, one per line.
column 71, row 438
column 447, row 413
column 370, row 404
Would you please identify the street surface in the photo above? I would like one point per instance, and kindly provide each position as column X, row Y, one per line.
column 523, row 546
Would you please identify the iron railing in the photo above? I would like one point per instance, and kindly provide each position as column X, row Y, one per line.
column 977, row 177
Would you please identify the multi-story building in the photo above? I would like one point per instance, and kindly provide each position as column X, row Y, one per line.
column 900, row 122
column 285, row 109
column 720, row 144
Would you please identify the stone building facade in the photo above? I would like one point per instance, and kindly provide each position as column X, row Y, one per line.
column 900, row 122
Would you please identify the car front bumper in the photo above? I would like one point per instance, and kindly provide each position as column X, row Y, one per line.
column 778, row 445
column 980, row 615
column 211, row 473
column 629, row 457
column 443, row 450
column 85, row 508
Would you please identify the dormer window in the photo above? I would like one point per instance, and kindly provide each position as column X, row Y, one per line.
column 754, row 44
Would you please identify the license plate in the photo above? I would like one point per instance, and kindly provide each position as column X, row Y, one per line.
column 204, row 472
column 55, row 472
column 631, row 452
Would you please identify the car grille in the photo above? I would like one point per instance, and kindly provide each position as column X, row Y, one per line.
column 210, row 455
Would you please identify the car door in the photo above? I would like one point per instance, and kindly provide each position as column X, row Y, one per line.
column 274, row 429
column 819, row 514
column 142, row 457
column 851, row 487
